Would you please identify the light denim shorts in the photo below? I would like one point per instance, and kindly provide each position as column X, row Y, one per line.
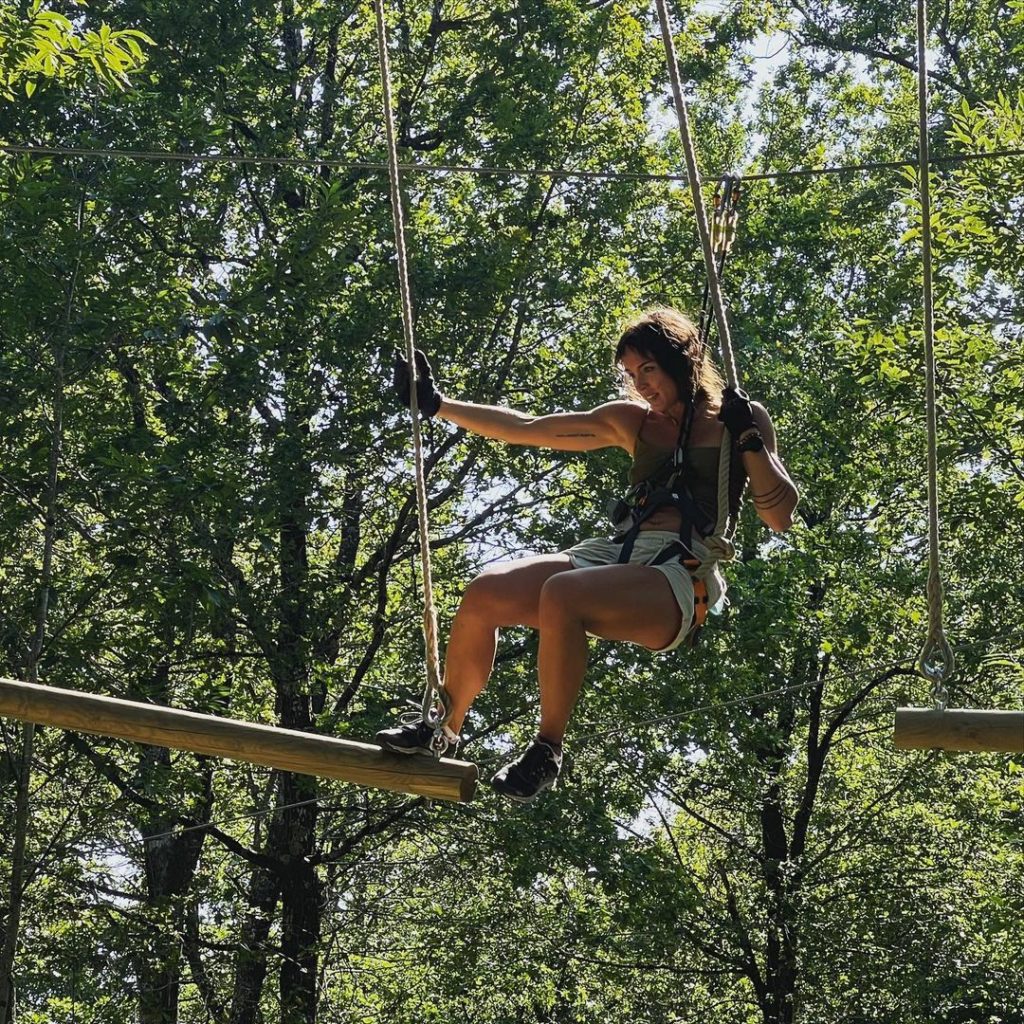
column 649, row 544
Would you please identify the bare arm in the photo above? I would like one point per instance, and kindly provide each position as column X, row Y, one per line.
column 774, row 493
column 614, row 424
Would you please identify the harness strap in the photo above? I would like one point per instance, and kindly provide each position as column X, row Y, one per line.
column 700, row 602
column 700, row 588
column 694, row 521
column 718, row 542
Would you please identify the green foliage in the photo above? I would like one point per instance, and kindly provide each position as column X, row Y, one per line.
column 42, row 44
column 236, row 533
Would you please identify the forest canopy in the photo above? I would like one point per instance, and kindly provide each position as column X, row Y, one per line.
column 206, row 501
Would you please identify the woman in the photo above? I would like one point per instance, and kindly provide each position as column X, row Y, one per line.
column 677, row 399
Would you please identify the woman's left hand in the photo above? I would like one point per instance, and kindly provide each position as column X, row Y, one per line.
column 737, row 413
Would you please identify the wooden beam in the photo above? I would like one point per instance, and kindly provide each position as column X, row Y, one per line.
column 286, row 749
column 959, row 729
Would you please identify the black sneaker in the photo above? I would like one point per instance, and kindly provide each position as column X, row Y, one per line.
column 529, row 775
column 414, row 736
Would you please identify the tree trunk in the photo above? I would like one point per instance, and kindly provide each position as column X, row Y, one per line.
column 12, row 925
column 293, row 835
column 300, row 905
column 251, row 959
column 780, row 939
column 170, row 863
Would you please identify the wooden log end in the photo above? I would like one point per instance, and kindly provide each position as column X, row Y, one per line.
column 959, row 729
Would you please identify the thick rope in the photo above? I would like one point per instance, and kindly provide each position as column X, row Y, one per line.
column 433, row 693
column 718, row 545
column 693, row 177
column 936, row 661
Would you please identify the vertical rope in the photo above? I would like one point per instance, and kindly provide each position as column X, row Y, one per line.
column 432, row 693
column 693, row 179
column 936, row 661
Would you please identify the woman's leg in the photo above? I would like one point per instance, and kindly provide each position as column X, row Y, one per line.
column 506, row 594
column 634, row 603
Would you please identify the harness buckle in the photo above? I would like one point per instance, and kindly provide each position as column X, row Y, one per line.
column 700, row 602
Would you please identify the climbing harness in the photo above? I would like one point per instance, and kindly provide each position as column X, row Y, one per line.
column 668, row 488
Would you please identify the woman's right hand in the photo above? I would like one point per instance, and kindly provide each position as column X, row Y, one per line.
column 428, row 398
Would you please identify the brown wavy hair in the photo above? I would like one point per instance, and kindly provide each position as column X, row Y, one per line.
column 673, row 342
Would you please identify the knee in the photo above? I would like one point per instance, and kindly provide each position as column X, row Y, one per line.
column 559, row 596
column 483, row 594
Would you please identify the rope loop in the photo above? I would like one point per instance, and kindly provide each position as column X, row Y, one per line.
column 937, row 664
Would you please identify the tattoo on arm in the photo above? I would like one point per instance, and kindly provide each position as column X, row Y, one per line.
column 769, row 499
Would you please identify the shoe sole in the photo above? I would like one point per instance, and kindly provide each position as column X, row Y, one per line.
column 523, row 799
column 409, row 751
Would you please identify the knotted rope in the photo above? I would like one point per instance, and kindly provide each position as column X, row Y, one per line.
column 434, row 705
column 936, row 661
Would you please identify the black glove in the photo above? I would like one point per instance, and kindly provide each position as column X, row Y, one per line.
column 427, row 396
column 736, row 412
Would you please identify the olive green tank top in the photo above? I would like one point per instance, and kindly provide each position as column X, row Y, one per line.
column 700, row 471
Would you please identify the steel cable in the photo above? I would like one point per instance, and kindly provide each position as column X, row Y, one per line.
column 313, row 163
